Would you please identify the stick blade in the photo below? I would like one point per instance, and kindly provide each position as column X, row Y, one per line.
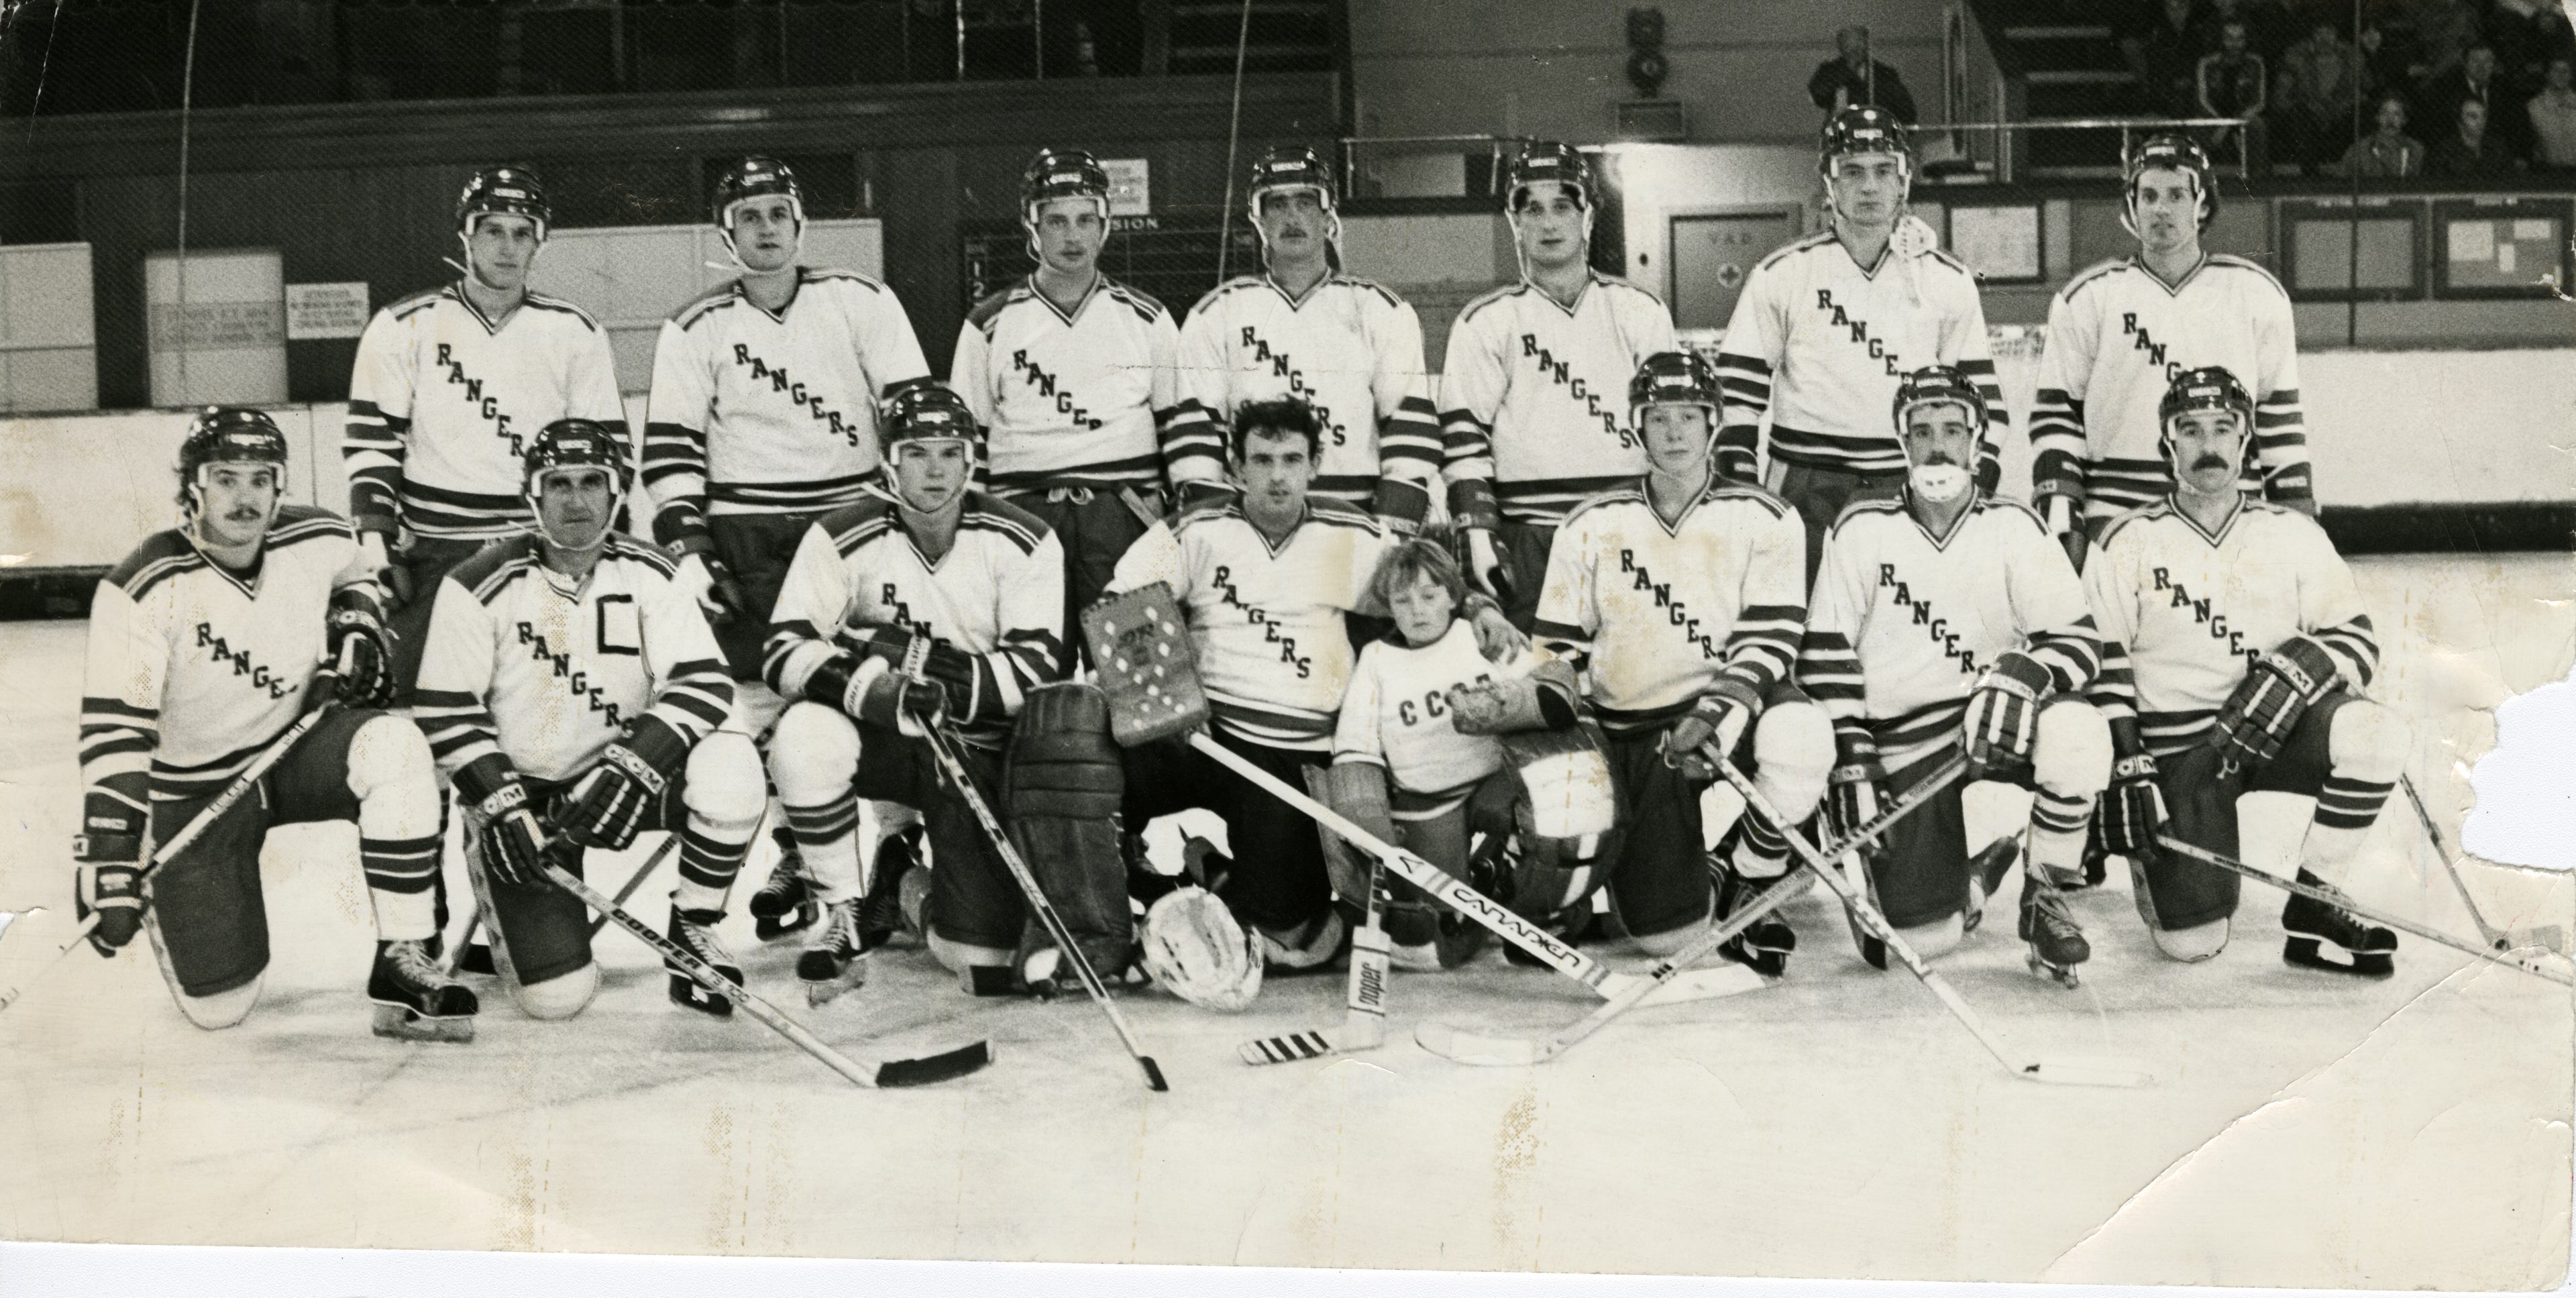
column 1153, row 1073
column 1290, row 1049
column 945, row 1066
column 1729, row 979
column 1476, row 1049
column 2087, row 1072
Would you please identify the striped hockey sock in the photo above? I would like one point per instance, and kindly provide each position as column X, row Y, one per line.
column 828, row 838
column 400, row 872
column 707, row 866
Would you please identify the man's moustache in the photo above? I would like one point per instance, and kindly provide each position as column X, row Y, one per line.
column 2210, row 462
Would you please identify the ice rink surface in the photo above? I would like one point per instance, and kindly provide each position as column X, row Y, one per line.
column 2303, row 1129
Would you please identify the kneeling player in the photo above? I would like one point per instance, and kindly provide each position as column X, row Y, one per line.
column 1946, row 606
column 572, row 690
column 202, row 650
column 2235, row 649
column 938, row 607
column 1682, row 599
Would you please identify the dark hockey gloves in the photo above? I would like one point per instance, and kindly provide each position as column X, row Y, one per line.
column 2003, row 714
column 2267, row 704
column 608, row 804
column 709, row 581
column 362, row 651
column 109, row 881
column 2133, row 809
column 514, row 841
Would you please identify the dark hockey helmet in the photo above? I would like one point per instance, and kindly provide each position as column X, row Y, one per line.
column 1062, row 173
column 1674, row 379
column 927, row 412
column 227, row 435
column 578, row 444
column 2211, row 387
column 1288, row 169
column 1864, row 128
column 1934, row 385
column 754, row 177
column 2169, row 152
column 1547, row 160
column 513, row 191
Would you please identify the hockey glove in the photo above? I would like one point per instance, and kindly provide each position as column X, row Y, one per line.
column 109, row 883
column 2003, row 714
column 2133, row 808
column 387, row 569
column 609, row 803
column 1710, row 731
column 2277, row 689
column 362, row 651
column 712, row 585
column 865, row 689
column 966, row 677
column 2061, row 502
column 1402, row 505
column 1856, row 795
column 514, row 842
column 1487, row 569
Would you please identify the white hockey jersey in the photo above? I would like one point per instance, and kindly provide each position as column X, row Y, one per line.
column 1089, row 397
column 1820, row 343
column 1349, row 348
column 1655, row 613
column 2117, row 336
column 2182, row 611
column 525, row 671
column 1902, row 622
column 193, row 668
column 761, row 413
column 444, row 403
column 1395, row 713
column 1534, row 398
column 1266, row 623
column 998, row 594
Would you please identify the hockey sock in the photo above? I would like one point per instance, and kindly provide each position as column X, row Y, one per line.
column 400, row 824
column 2057, row 831
column 399, row 871
column 708, row 864
column 1761, row 853
column 2346, row 809
column 827, row 837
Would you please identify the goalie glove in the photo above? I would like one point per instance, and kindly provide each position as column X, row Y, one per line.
column 2278, row 688
column 2002, row 721
column 362, row 651
column 514, row 841
column 608, row 804
column 2133, row 808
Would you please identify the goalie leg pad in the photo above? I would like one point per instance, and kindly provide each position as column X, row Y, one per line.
column 1793, row 753
column 1061, row 795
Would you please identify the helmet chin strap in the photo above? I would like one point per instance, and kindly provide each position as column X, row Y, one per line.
column 470, row 270
column 193, row 513
column 1512, row 217
column 724, row 231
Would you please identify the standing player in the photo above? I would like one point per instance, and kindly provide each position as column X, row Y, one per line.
column 2235, row 650
column 937, row 606
column 1946, row 619
column 2121, row 333
column 573, row 692
column 1072, row 373
column 1827, row 325
column 1680, row 597
column 1346, row 346
column 203, row 648
column 450, row 388
column 1531, row 421
column 764, row 418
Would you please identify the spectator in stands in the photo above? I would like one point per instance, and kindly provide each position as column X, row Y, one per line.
column 2230, row 83
column 1853, row 77
column 2444, row 31
column 2384, row 59
column 2475, row 78
column 2553, row 117
column 2263, row 19
column 2388, row 152
column 2165, row 55
column 2470, row 152
column 2313, row 94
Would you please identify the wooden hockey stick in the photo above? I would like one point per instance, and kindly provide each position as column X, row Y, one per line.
column 2510, row 959
column 871, row 1073
column 2544, row 935
column 214, row 811
column 650, row 862
column 2065, row 1072
column 1475, row 1048
column 1038, row 903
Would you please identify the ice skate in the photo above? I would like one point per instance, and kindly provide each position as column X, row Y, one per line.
column 1763, row 946
column 882, row 913
column 1986, row 872
column 785, row 905
column 834, row 961
column 2057, row 943
column 2313, row 926
column 413, row 1002
column 694, row 931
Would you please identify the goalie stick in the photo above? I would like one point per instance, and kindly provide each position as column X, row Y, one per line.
column 2543, row 935
column 2065, row 1072
column 2510, row 959
column 1491, row 1051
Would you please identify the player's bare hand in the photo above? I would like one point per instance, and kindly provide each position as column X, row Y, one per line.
column 1496, row 637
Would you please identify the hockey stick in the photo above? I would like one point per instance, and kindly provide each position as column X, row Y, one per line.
column 2037, row 1070
column 234, row 792
column 637, row 880
column 872, row 1073
column 2546, row 935
column 1364, row 1020
column 2509, row 959
column 1038, row 903
column 1473, row 1048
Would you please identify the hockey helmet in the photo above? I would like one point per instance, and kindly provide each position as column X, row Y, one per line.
column 1062, row 173
column 1936, row 385
column 1286, row 169
column 227, row 435
column 754, row 177
column 1195, row 950
column 1682, row 378
column 1862, row 129
column 927, row 412
column 2211, row 387
column 577, row 444
column 511, row 191
column 1547, row 160
column 2168, row 152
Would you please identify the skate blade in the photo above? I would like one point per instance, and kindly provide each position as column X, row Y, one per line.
column 779, row 928
column 2310, row 953
column 2063, row 975
column 402, row 1023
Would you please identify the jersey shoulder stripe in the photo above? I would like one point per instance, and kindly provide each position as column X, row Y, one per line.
column 1498, row 293
column 1340, row 513
column 1954, row 263
column 2097, row 270
column 1618, row 284
column 491, row 567
column 1136, row 299
column 1001, row 514
column 1779, row 508
column 838, row 275
column 627, row 547
column 1235, row 285
column 1792, row 249
column 162, row 555
column 853, row 525
column 306, row 524
column 544, row 303
column 1988, row 504
column 2150, row 510
column 415, row 304
column 1860, row 509
column 1385, row 294
column 1633, row 494
column 2231, row 261
column 985, row 312
column 714, row 299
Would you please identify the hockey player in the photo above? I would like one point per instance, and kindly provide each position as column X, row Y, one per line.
column 1945, row 619
column 573, row 692
column 764, row 418
column 204, row 646
column 939, row 607
column 2122, row 332
column 450, row 388
column 2235, row 650
column 1827, row 325
column 1346, row 346
column 1679, row 595
column 1529, row 394
column 1264, row 580
column 1073, row 375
